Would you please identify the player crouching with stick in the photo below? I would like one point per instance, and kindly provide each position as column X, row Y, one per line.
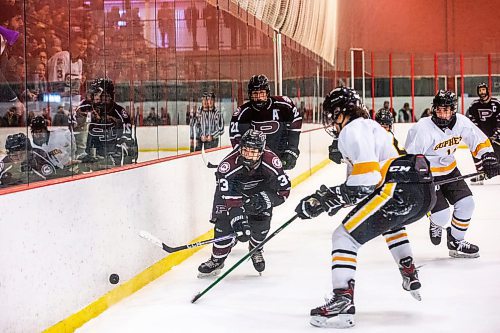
column 250, row 182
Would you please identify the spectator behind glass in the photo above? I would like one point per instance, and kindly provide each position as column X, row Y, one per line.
column 404, row 113
column 9, row 36
column 65, row 71
column 166, row 24
column 11, row 118
column 60, row 118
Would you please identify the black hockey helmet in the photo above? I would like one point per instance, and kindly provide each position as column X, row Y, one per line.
column 257, row 83
column 341, row 100
column 17, row 142
column 483, row 96
column 384, row 118
column 252, row 139
column 444, row 98
column 101, row 88
column 39, row 123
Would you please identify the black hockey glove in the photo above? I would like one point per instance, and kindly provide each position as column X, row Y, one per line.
column 257, row 203
column 490, row 165
column 334, row 153
column 308, row 208
column 239, row 223
column 495, row 138
column 289, row 159
column 332, row 199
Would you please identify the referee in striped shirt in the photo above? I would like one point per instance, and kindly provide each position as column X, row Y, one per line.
column 208, row 124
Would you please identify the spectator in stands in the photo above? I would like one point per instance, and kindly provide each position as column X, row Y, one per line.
column 11, row 118
column 65, row 70
column 404, row 113
column 60, row 118
column 152, row 118
column 42, row 56
column 166, row 24
column 165, row 117
column 46, row 115
column 426, row 113
column 212, row 24
column 191, row 14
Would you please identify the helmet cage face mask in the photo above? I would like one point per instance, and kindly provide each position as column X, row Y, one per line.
column 252, row 146
column 39, row 130
column 102, row 92
column 17, row 145
column 384, row 118
column 444, row 99
column 259, row 83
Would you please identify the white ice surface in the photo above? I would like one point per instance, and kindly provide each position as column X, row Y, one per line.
column 459, row 295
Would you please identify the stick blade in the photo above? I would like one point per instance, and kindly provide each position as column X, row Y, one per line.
column 196, row 297
column 146, row 235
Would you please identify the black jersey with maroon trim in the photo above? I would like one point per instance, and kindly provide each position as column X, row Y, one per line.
column 486, row 116
column 280, row 121
column 107, row 126
column 236, row 182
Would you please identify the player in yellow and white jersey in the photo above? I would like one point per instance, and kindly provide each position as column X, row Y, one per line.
column 387, row 190
column 438, row 137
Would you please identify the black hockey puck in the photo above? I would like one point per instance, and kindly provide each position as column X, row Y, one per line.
column 114, row 278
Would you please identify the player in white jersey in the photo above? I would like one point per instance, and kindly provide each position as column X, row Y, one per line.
column 387, row 190
column 438, row 137
column 58, row 144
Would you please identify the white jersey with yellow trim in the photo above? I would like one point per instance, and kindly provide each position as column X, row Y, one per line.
column 439, row 146
column 60, row 148
column 366, row 147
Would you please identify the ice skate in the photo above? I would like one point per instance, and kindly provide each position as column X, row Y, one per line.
column 338, row 312
column 211, row 267
column 409, row 274
column 461, row 248
column 435, row 233
column 258, row 261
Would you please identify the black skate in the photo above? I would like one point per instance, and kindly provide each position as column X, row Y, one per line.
column 435, row 232
column 258, row 261
column 478, row 180
column 461, row 248
column 211, row 267
column 410, row 277
column 337, row 312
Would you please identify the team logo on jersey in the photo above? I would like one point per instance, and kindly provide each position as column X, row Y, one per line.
column 224, row 167
column 268, row 127
column 484, row 114
column 46, row 170
column 448, row 143
column 276, row 162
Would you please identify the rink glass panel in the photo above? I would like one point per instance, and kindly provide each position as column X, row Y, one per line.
column 162, row 55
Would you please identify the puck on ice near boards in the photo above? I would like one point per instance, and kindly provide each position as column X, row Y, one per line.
column 114, row 278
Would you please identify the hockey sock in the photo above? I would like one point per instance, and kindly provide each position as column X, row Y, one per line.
column 344, row 253
column 398, row 243
column 222, row 249
column 461, row 217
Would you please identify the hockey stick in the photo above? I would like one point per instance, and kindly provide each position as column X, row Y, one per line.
column 146, row 235
column 204, row 157
column 454, row 179
column 249, row 254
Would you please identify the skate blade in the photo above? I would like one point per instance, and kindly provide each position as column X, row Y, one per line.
column 339, row 321
column 481, row 182
column 207, row 275
column 415, row 294
column 456, row 254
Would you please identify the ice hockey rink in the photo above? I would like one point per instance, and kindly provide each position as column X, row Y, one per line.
column 458, row 295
